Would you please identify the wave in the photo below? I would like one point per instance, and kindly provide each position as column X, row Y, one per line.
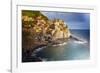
column 60, row 44
column 78, row 40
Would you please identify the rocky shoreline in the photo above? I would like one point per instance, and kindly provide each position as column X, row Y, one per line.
column 31, row 56
column 38, row 31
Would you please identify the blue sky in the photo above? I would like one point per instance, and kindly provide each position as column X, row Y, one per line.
column 72, row 19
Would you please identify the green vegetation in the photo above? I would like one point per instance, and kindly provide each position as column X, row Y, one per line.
column 31, row 13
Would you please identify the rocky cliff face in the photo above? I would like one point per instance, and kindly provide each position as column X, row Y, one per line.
column 37, row 29
column 60, row 30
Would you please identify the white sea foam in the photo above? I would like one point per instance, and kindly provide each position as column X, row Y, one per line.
column 80, row 42
column 60, row 44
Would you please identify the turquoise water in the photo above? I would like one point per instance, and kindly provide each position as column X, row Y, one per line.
column 73, row 50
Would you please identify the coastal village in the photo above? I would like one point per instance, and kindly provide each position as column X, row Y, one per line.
column 39, row 30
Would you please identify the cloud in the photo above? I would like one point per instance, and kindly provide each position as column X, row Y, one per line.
column 74, row 20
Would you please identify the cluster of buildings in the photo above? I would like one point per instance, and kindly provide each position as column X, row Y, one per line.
column 42, row 29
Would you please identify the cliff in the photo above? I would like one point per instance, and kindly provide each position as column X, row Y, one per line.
column 37, row 29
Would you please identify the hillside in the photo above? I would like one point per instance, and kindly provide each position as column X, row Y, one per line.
column 38, row 30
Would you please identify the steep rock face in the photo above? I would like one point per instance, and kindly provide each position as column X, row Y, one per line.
column 37, row 29
column 61, row 30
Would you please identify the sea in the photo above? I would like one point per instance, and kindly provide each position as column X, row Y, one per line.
column 72, row 50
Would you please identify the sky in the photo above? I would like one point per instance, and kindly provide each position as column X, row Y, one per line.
column 72, row 19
